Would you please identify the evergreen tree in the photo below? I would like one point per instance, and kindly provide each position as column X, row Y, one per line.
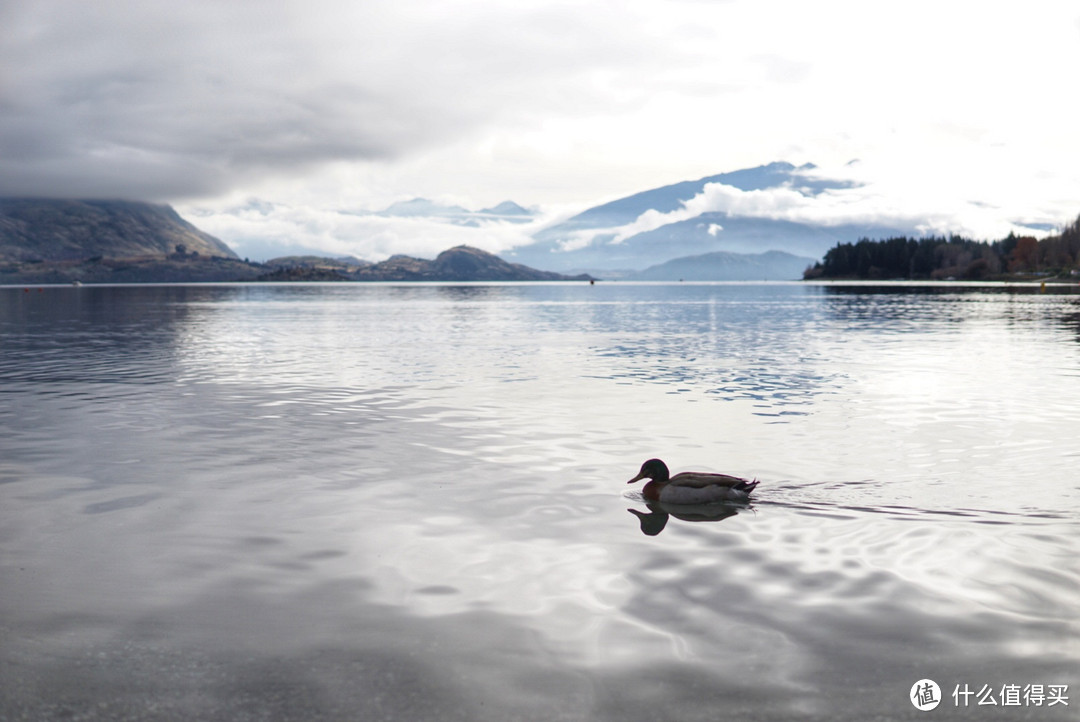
column 952, row 257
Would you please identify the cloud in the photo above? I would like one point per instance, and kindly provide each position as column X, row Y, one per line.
column 159, row 101
column 259, row 229
column 132, row 99
column 865, row 203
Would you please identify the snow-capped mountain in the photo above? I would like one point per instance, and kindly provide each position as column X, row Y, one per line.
column 743, row 211
column 507, row 211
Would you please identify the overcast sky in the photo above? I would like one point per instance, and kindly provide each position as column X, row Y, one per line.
column 263, row 120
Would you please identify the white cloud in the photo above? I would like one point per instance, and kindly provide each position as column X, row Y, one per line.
column 575, row 240
column 648, row 221
column 109, row 98
column 260, row 230
column 866, row 203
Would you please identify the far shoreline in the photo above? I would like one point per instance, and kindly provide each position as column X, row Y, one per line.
column 1046, row 286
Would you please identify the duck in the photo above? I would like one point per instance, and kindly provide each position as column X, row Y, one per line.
column 690, row 487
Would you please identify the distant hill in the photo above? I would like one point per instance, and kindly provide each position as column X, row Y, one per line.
column 41, row 229
column 506, row 208
column 462, row 263
column 724, row 266
column 341, row 263
column 507, row 212
column 421, row 207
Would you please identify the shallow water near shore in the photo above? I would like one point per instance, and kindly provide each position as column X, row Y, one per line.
column 365, row 501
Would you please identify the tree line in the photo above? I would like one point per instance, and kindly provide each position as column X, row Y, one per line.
column 952, row 257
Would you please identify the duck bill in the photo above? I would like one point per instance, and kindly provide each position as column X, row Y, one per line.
column 639, row 477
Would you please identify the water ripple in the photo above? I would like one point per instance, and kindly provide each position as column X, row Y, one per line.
column 380, row 474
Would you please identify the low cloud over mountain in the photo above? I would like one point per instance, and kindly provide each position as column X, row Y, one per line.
column 777, row 206
column 802, row 210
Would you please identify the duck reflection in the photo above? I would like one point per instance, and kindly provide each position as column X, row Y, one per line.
column 653, row 522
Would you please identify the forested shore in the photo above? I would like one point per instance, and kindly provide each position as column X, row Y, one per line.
column 955, row 257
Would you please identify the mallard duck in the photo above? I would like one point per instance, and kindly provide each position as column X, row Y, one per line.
column 690, row 487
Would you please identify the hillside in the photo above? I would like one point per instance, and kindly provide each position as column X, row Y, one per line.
column 608, row 236
column 462, row 263
column 954, row 257
column 33, row 229
column 459, row 264
column 724, row 266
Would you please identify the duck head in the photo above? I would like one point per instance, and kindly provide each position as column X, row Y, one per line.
column 652, row 469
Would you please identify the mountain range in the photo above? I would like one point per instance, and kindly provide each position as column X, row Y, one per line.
column 461, row 263
column 729, row 226
column 660, row 224
column 507, row 211
column 66, row 241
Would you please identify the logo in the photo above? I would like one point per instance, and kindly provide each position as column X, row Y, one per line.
column 925, row 695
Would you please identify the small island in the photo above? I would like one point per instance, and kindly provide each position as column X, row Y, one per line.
column 458, row 264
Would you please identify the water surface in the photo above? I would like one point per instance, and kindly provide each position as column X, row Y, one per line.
column 370, row 502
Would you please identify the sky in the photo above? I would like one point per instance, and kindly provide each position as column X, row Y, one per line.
column 282, row 124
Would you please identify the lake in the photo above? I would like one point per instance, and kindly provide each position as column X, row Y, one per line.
column 376, row 502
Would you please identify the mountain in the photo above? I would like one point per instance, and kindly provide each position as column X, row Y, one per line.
column 37, row 229
column 632, row 232
column 462, row 263
column 507, row 211
column 506, row 208
column 724, row 266
column 421, row 207
column 670, row 198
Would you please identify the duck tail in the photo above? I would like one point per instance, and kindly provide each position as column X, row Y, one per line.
column 746, row 486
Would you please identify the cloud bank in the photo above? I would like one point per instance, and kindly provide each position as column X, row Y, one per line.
column 261, row 230
column 157, row 101
column 864, row 203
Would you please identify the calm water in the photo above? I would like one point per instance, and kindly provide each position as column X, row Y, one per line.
column 366, row 502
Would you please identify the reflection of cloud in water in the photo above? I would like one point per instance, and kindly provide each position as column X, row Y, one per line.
column 726, row 351
column 445, row 565
column 676, row 363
